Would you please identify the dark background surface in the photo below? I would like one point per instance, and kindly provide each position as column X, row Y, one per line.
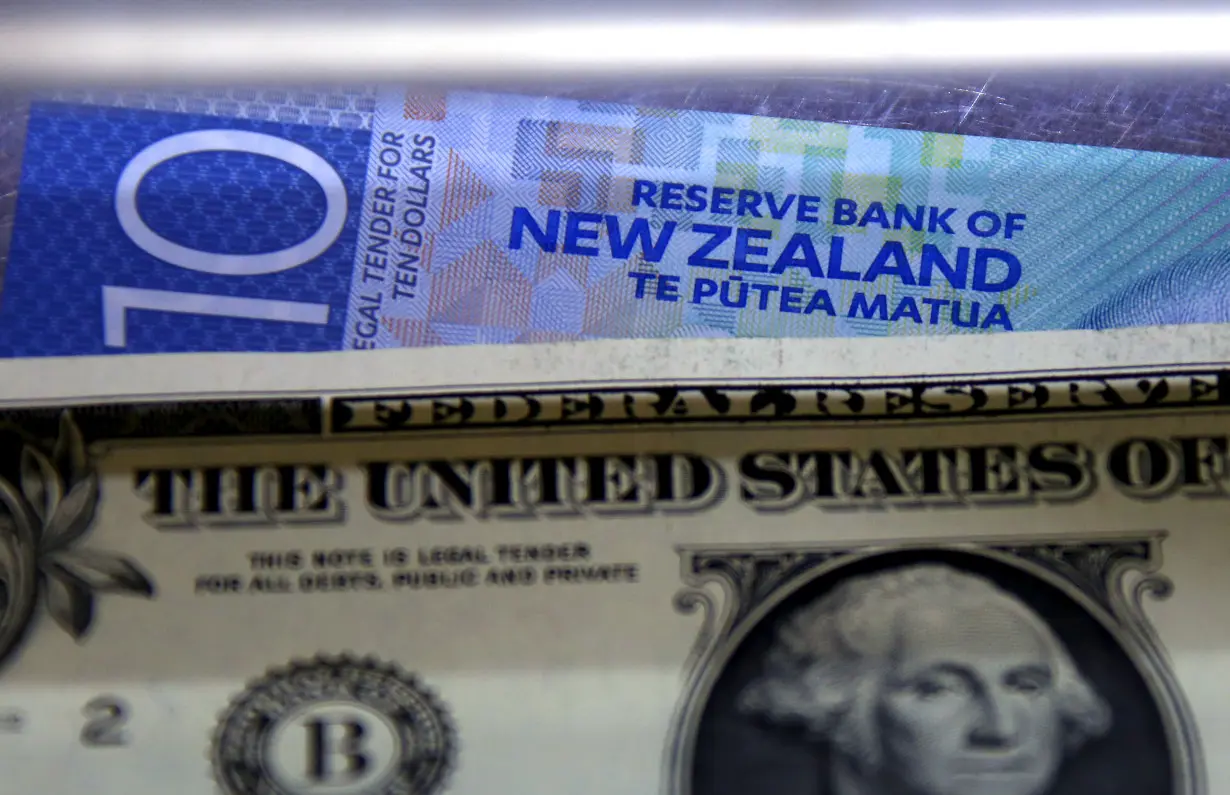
column 1179, row 111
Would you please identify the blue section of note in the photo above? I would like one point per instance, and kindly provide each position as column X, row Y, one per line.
column 231, row 202
column 70, row 243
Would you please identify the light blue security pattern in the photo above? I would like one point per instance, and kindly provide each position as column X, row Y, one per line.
column 313, row 221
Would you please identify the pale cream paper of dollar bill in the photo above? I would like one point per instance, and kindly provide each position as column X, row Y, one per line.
column 561, row 687
column 184, row 376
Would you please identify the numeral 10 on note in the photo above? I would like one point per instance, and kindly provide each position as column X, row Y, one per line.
column 118, row 300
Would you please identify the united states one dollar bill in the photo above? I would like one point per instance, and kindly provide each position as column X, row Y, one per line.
column 1008, row 586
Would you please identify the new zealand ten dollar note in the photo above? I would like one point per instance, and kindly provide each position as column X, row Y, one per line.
column 284, row 221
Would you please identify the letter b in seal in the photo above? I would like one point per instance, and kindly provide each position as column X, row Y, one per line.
column 334, row 726
column 334, row 747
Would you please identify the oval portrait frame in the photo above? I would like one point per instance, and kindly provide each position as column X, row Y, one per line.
column 1108, row 579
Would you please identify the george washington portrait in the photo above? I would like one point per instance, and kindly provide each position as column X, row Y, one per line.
column 930, row 678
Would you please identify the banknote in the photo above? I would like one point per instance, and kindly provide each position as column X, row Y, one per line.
column 750, row 592
column 250, row 220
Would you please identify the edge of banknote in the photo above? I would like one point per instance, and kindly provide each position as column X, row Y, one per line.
column 169, row 377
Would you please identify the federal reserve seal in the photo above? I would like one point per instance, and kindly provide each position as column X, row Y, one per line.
column 334, row 726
